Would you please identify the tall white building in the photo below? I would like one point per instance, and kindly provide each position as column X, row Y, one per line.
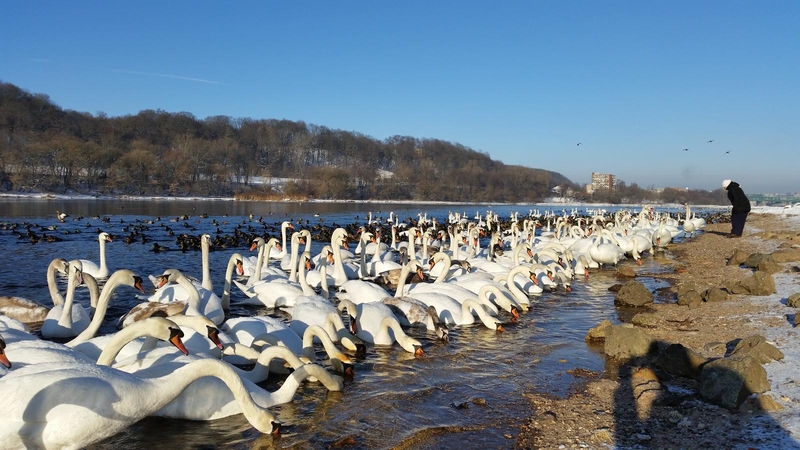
column 605, row 181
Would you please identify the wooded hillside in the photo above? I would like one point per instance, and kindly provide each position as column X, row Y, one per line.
column 44, row 147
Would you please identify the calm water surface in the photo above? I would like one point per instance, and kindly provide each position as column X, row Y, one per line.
column 471, row 389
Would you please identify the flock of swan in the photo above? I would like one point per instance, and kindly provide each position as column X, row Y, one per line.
column 179, row 354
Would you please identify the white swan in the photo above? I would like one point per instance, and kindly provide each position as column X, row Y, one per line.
column 412, row 312
column 91, row 267
column 70, row 319
column 199, row 302
column 276, row 253
column 372, row 321
column 46, row 406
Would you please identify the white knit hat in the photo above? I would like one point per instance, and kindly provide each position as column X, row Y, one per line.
column 725, row 184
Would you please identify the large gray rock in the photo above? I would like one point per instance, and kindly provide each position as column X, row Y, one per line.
column 689, row 297
column 755, row 259
column 626, row 342
column 681, row 361
column 633, row 293
column 714, row 295
column 598, row 333
column 760, row 283
column 758, row 347
column 737, row 257
column 645, row 320
column 727, row 382
column 786, row 255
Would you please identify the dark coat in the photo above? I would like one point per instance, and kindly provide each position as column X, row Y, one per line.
column 739, row 201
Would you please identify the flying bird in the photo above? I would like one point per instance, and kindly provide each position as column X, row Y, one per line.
column 686, row 149
column 579, row 143
column 710, row 141
column 728, row 151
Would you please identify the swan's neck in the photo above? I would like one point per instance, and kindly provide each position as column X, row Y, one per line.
column 226, row 290
column 193, row 300
column 323, row 275
column 206, row 282
column 401, row 283
column 260, row 372
column 114, row 281
column 390, row 323
column 293, row 259
column 66, row 313
column 103, row 266
column 52, row 285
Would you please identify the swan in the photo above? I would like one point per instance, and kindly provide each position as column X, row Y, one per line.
column 29, row 311
column 314, row 277
column 92, row 268
column 412, row 312
column 372, row 321
column 69, row 319
column 257, row 268
column 105, row 349
column 199, row 302
column 303, row 237
column 47, row 406
column 359, row 291
column 206, row 399
column 280, row 252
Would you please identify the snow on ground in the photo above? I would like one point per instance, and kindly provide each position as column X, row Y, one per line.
column 784, row 376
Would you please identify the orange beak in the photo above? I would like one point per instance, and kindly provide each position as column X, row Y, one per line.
column 175, row 339
column 213, row 335
column 253, row 246
column 500, row 329
column 639, row 261
column 419, row 352
column 162, row 280
column 137, row 283
column 4, row 359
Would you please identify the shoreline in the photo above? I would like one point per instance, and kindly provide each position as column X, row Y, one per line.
column 612, row 410
column 52, row 196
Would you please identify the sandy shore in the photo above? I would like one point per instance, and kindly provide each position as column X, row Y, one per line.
column 612, row 410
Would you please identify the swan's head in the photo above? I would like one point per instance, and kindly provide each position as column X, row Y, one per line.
column 137, row 283
column 257, row 242
column 3, row 358
column 213, row 336
column 176, row 339
column 104, row 237
column 75, row 269
column 418, row 351
column 169, row 276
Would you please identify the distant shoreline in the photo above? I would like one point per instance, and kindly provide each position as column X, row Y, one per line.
column 52, row 196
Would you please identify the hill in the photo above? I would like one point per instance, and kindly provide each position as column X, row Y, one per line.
column 46, row 148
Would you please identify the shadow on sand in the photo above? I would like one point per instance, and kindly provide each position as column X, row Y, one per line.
column 677, row 401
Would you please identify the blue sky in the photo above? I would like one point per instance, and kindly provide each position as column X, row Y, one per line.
column 634, row 82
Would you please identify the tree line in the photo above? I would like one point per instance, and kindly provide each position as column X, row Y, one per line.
column 46, row 148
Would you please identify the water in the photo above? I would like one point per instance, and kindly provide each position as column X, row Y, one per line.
column 472, row 389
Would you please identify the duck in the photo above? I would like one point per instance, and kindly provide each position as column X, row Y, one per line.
column 30, row 311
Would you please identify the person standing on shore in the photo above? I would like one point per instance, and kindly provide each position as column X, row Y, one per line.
column 741, row 207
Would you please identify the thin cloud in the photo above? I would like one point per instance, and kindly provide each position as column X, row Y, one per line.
column 163, row 75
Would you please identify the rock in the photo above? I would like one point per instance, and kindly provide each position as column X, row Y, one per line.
column 646, row 320
column 626, row 272
column 736, row 287
column 615, row 287
column 598, row 333
column 786, row 255
column 715, row 347
column 794, row 300
column 755, row 259
column 645, row 373
column 689, row 298
column 758, row 347
column 727, row 382
column 681, row 361
column 760, row 283
column 714, row 295
column 737, row 258
column 767, row 403
column 769, row 267
column 796, row 319
column 628, row 342
column 634, row 293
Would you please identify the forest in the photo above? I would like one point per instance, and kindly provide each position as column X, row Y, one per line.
column 45, row 148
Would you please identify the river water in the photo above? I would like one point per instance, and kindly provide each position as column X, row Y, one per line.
column 468, row 394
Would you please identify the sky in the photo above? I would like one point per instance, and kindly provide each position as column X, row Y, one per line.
column 634, row 83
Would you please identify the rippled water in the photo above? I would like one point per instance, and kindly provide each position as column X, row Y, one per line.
column 468, row 393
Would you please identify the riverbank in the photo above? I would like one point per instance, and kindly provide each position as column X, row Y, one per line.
column 636, row 405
